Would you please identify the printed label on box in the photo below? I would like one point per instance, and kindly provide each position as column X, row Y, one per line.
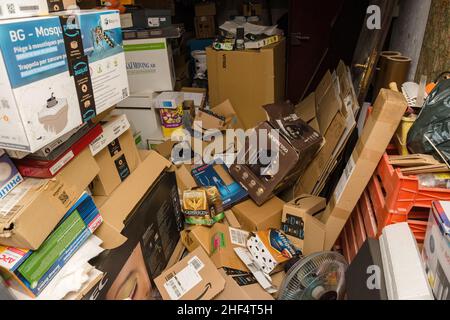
column 349, row 168
column 110, row 21
column 238, row 237
column 153, row 22
column 114, row 147
column 178, row 284
column 62, row 162
column 196, row 263
column 122, row 167
column 9, row 205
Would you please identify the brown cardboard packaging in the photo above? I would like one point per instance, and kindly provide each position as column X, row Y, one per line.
column 233, row 291
column 205, row 9
column 380, row 126
column 249, row 79
column 117, row 161
column 193, row 278
column 296, row 144
column 304, row 230
column 138, row 240
column 255, row 218
column 185, row 181
column 218, row 242
column 231, row 220
column 205, row 27
column 325, row 112
column 177, row 254
column 26, row 222
column 229, row 120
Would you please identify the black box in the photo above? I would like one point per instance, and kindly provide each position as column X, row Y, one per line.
column 152, row 232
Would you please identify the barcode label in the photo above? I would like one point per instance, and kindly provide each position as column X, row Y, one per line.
column 182, row 282
column 238, row 237
column 29, row 8
column 9, row 205
column 196, row 263
column 61, row 163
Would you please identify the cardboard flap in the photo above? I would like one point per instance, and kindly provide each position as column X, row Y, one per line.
column 111, row 237
column 226, row 110
column 115, row 210
column 306, row 109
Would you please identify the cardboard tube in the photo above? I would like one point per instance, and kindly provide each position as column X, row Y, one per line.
column 381, row 69
column 397, row 69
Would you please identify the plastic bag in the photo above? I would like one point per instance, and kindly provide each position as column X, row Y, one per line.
column 433, row 123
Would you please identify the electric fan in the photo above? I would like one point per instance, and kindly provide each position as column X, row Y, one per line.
column 319, row 276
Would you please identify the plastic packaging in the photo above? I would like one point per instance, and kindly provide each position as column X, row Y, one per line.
column 438, row 180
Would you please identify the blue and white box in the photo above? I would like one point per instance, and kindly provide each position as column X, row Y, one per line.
column 9, row 175
column 38, row 99
column 103, row 45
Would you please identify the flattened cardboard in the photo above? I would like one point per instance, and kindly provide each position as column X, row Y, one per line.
column 381, row 125
column 195, row 278
column 255, row 218
column 231, row 220
column 26, row 223
column 310, row 233
column 217, row 242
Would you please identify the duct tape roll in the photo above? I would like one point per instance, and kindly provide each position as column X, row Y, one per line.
column 381, row 69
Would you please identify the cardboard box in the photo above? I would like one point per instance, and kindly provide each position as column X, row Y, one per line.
column 193, row 278
column 436, row 250
column 139, row 241
column 151, row 18
column 32, row 274
column 220, row 117
column 381, row 124
column 402, row 263
column 149, row 65
column 158, row 4
column 40, row 108
column 116, row 163
column 101, row 34
column 29, row 8
column 249, row 79
column 143, row 117
column 288, row 142
column 235, row 290
column 301, row 224
column 205, row 9
column 43, row 201
column 218, row 241
column 36, row 168
column 255, row 218
column 9, row 175
column 205, row 27
column 217, row 175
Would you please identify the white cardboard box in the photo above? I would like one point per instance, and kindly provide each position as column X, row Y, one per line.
column 149, row 65
column 38, row 98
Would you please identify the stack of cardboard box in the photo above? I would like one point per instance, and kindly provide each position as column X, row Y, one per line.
column 205, row 22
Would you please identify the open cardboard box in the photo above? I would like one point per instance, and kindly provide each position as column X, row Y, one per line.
column 31, row 211
column 193, row 278
column 227, row 117
column 142, row 220
column 301, row 223
column 218, row 241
